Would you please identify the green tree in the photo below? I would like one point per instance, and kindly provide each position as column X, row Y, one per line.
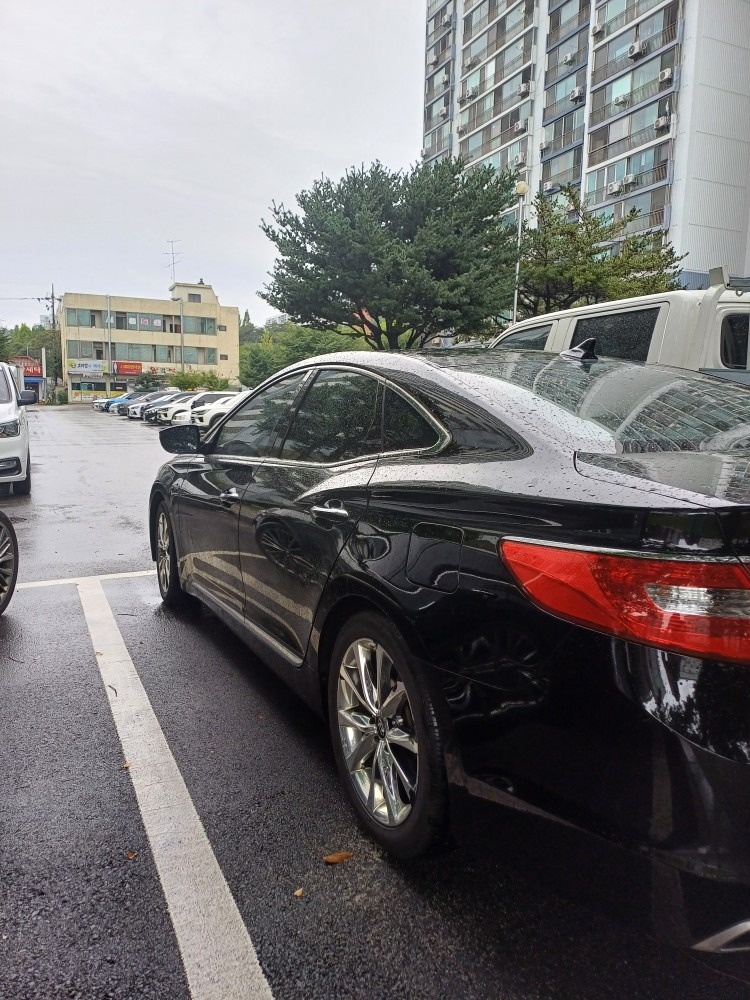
column 148, row 381
column 249, row 332
column 199, row 380
column 566, row 258
column 287, row 344
column 396, row 258
column 24, row 339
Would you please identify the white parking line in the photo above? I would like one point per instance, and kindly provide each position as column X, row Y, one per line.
column 218, row 955
column 84, row 579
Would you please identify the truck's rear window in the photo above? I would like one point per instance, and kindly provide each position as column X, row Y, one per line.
column 734, row 340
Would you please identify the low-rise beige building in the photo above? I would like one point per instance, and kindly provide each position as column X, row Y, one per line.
column 108, row 341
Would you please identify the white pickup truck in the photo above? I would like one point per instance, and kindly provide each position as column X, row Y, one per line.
column 705, row 331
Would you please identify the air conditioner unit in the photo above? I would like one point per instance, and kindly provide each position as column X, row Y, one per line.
column 597, row 30
column 629, row 180
column 523, row 90
column 424, row 154
column 445, row 80
column 472, row 92
column 577, row 94
column 446, row 22
column 665, row 76
column 661, row 123
column 621, row 99
column 434, row 61
column 614, row 188
column 520, row 160
column 544, row 144
column 463, row 98
column 461, row 129
column 569, row 58
column 444, row 112
column 637, row 49
column 548, row 187
column 474, row 61
column 521, row 126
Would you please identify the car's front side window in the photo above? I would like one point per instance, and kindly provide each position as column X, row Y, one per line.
column 339, row 418
column 533, row 339
column 251, row 431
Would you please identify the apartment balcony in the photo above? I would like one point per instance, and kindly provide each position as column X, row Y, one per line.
column 500, row 74
column 629, row 14
column 561, row 69
column 435, row 148
column 439, row 32
column 567, row 27
column 434, row 7
column 509, row 135
column 654, row 220
column 620, row 146
column 565, row 104
column 561, row 141
column 562, row 179
column 615, row 66
column 650, row 89
column 497, row 109
column 642, row 180
column 436, row 121
column 496, row 44
column 487, row 20
column 434, row 92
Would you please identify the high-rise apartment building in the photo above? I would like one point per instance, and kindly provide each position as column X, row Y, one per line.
column 642, row 104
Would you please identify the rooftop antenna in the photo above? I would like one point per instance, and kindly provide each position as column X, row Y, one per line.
column 175, row 257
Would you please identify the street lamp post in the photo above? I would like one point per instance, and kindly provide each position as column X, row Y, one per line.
column 522, row 189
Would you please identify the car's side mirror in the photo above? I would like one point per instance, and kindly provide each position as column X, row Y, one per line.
column 181, row 440
column 26, row 397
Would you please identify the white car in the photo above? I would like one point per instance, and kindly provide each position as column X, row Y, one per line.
column 169, row 415
column 15, row 459
column 209, row 415
column 135, row 410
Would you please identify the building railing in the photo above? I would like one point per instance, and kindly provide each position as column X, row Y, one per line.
column 509, row 135
column 619, row 146
column 644, row 179
column 564, row 104
column 643, row 93
column 623, row 62
column 436, row 121
column 582, row 17
column 628, row 15
column 500, row 73
column 497, row 109
column 438, row 32
column 434, row 7
column 488, row 18
column 468, row 63
column 570, row 176
column 436, row 147
column 644, row 222
column 560, row 141
column 436, row 91
column 554, row 73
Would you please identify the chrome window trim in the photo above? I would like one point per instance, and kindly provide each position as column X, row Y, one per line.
column 623, row 553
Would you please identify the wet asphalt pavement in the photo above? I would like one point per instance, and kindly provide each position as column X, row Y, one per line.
column 82, row 911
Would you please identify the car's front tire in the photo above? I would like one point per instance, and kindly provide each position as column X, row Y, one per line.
column 23, row 488
column 386, row 737
column 167, row 574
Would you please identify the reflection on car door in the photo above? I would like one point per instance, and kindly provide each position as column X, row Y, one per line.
column 304, row 502
column 209, row 501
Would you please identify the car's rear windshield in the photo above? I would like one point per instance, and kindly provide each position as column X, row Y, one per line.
column 644, row 407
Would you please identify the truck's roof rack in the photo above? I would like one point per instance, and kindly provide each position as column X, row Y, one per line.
column 720, row 276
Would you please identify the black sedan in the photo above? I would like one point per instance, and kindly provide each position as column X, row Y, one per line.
column 522, row 577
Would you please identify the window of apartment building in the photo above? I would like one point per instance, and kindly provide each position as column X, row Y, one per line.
column 578, row 43
column 631, row 88
column 566, row 13
column 98, row 347
column 200, row 324
column 221, row 328
column 121, row 321
column 648, row 166
column 170, row 324
column 194, row 297
column 83, row 317
column 565, row 129
column 223, row 357
column 132, row 321
column 85, row 349
column 564, row 169
column 191, row 356
column 631, row 130
column 140, row 352
column 72, row 348
column 562, row 90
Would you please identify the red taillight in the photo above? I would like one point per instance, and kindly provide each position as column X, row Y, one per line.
column 698, row 608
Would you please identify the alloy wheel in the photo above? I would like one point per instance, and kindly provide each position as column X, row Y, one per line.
column 163, row 557
column 377, row 732
column 7, row 562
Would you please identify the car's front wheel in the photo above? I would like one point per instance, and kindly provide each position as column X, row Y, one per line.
column 8, row 561
column 386, row 737
column 170, row 587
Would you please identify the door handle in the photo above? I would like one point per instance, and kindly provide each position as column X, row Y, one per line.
column 332, row 513
column 229, row 498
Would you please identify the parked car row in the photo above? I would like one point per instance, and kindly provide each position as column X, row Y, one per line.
column 168, row 405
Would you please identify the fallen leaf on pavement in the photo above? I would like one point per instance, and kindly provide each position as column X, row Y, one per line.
column 299, row 893
column 97, row 653
column 338, row 857
column 131, row 855
column 125, row 766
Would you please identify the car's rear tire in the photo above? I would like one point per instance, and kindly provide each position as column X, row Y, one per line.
column 23, row 488
column 167, row 574
column 386, row 737
column 8, row 561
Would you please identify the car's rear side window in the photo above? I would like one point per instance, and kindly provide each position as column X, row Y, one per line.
column 734, row 340
column 338, row 419
column 404, row 428
column 619, row 335
column 533, row 339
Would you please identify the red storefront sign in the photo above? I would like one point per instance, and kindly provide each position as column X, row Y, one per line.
column 128, row 368
column 31, row 366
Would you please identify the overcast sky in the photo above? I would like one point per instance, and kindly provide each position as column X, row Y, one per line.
column 127, row 123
